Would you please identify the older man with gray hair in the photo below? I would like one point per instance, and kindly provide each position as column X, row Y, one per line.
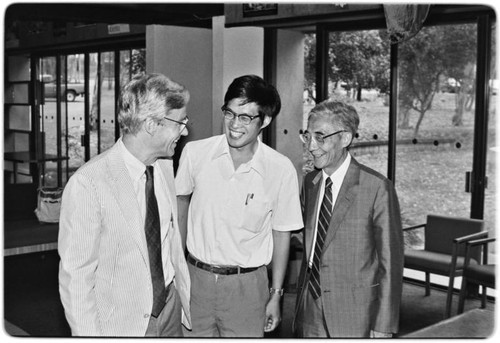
column 352, row 271
column 122, row 270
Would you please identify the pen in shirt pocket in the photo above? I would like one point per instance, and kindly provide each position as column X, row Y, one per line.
column 249, row 196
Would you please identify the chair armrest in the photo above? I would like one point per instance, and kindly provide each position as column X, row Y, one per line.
column 477, row 235
column 484, row 242
column 480, row 241
column 414, row 227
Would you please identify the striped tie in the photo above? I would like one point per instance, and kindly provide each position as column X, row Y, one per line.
column 325, row 214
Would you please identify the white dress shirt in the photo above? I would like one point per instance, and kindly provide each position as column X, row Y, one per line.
column 137, row 171
column 337, row 179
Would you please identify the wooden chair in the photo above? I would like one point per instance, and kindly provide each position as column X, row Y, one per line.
column 444, row 249
column 477, row 274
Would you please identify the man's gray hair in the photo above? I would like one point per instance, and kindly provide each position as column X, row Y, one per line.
column 341, row 114
column 148, row 96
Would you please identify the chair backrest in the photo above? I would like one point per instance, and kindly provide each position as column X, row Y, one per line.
column 441, row 230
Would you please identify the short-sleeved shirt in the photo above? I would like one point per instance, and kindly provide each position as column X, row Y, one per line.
column 232, row 212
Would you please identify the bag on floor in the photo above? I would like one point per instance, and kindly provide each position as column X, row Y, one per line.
column 49, row 204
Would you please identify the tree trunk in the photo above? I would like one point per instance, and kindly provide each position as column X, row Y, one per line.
column 404, row 118
column 358, row 98
column 419, row 121
column 457, row 119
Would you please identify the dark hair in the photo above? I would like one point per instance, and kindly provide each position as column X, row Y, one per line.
column 253, row 88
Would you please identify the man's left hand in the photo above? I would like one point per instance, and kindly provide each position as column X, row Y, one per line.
column 273, row 313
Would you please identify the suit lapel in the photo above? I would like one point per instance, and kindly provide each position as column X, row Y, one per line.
column 312, row 198
column 345, row 198
column 125, row 196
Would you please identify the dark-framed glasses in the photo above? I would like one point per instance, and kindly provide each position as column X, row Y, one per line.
column 243, row 118
column 306, row 137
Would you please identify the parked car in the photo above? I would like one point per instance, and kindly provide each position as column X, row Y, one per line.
column 73, row 90
column 450, row 86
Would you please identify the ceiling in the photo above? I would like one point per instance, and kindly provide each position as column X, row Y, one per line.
column 181, row 14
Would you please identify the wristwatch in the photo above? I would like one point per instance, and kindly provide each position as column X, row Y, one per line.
column 279, row 291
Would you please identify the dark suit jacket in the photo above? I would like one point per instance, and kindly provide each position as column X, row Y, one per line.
column 362, row 260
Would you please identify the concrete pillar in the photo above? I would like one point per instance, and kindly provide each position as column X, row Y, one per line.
column 290, row 84
column 185, row 55
column 237, row 51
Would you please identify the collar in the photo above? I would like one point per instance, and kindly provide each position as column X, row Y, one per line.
column 338, row 176
column 257, row 162
column 135, row 167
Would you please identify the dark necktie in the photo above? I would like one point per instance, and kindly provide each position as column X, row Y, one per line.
column 325, row 214
column 153, row 238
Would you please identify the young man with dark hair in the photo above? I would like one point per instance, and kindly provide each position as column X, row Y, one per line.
column 238, row 200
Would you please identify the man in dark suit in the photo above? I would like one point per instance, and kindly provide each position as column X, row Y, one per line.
column 350, row 282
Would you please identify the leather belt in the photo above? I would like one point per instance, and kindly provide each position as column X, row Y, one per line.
column 219, row 269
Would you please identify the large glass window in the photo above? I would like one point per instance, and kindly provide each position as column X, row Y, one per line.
column 68, row 127
column 435, row 131
column 358, row 67
column 436, row 114
column 358, row 73
column 493, row 150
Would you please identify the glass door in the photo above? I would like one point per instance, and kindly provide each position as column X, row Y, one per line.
column 357, row 65
column 435, row 130
column 78, row 116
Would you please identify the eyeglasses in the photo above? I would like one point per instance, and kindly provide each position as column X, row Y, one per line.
column 184, row 122
column 243, row 118
column 306, row 137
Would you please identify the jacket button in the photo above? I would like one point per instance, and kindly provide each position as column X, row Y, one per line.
column 146, row 315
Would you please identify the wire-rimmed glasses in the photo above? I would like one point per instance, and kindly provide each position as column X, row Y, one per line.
column 184, row 122
column 306, row 137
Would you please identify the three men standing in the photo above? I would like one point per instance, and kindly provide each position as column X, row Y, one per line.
column 123, row 270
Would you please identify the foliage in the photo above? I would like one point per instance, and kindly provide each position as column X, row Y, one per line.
column 361, row 60
column 436, row 53
column 310, row 64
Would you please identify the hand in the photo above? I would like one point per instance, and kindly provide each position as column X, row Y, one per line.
column 377, row 334
column 273, row 313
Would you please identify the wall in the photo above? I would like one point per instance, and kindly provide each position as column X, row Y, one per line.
column 237, row 52
column 185, row 55
column 290, row 84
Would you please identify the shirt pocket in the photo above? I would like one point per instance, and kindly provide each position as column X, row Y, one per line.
column 256, row 215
